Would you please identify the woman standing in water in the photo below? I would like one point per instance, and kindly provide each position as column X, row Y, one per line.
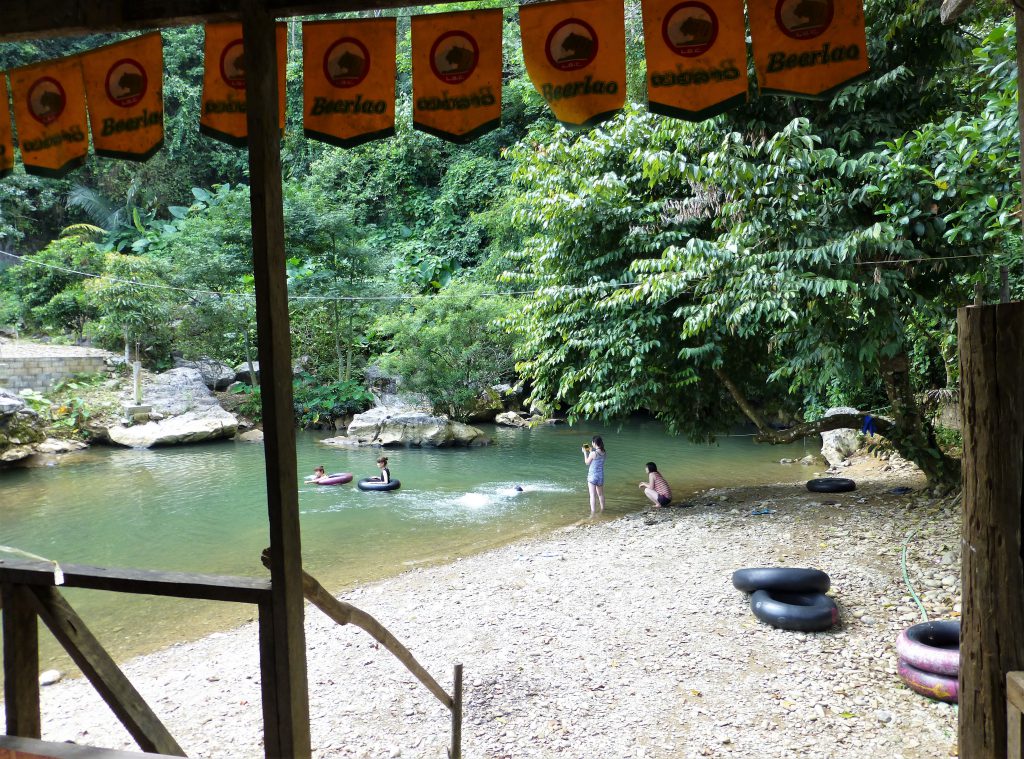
column 594, row 459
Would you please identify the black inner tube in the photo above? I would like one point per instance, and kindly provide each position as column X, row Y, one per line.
column 806, row 612
column 940, row 633
column 369, row 483
column 831, row 485
column 789, row 579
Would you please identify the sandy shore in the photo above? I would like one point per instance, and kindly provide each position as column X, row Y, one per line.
column 622, row 638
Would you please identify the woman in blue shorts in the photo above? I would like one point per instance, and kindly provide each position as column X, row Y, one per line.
column 594, row 459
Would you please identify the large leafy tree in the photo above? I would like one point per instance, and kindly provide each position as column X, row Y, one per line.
column 765, row 260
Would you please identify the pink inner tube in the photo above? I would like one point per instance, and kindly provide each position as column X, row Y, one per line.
column 938, row 687
column 932, row 647
column 339, row 478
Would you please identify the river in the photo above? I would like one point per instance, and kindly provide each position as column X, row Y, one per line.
column 202, row 508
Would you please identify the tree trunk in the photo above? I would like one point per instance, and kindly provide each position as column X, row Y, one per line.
column 337, row 342
column 248, row 353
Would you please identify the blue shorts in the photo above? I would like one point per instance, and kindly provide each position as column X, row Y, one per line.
column 599, row 481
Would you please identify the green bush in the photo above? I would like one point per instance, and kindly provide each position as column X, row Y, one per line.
column 317, row 403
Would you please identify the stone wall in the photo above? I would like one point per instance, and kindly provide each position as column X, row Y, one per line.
column 41, row 372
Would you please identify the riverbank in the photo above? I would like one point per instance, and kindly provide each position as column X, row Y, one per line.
column 618, row 638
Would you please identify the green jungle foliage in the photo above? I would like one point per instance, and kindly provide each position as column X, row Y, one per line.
column 786, row 257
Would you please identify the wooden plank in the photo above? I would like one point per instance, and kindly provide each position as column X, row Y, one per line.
column 101, row 670
column 951, row 10
column 68, row 750
column 268, row 683
column 21, row 19
column 177, row 584
column 1015, row 689
column 1014, row 717
column 21, row 662
column 275, row 356
column 991, row 344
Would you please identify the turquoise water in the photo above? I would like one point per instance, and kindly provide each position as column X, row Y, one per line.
column 202, row 508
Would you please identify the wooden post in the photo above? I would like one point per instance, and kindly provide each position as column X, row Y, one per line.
column 21, row 662
column 991, row 344
column 456, row 750
column 287, row 655
column 1015, row 715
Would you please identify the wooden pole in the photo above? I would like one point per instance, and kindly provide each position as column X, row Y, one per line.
column 991, row 344
column 456, row 749
column 1014, row 717
column 287, row 655
column 21, row 662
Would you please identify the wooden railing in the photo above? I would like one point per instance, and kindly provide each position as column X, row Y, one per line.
column 28, row 591
column 1015, row 715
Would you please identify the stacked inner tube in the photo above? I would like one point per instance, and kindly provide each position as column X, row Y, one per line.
column 788, row 598
column 371, row 483
column 930, row 659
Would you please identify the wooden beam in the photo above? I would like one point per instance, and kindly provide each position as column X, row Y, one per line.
column 22, row 19
column 101, row 670
column 21, row 662
column 288, row 658
column 991, row 344
column 1015, row 715
column 29, row 747
column 177, row 584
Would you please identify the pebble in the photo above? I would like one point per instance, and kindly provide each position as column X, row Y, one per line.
column 50, row 677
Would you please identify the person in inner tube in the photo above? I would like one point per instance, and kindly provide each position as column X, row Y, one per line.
column 317, row 474
column 656, row 488
column 385, row 473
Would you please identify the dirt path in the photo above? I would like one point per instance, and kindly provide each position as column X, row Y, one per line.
column 617, row 639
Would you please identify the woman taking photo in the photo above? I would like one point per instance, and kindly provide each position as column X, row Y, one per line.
column 594, row 459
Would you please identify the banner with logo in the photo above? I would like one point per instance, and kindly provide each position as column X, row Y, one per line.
column 808, row 47
column 696, row 57
column 348, row 80
column 456, row 73
column 49, row 111
column 575, row 54
column 224, row 102
column 6, row 140
column 124, row 86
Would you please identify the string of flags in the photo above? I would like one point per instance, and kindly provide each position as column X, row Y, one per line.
column 574, row 50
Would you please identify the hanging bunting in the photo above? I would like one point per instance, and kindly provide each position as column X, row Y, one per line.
column 696, row 57
column 223, row 116
column 348, row 80
column 124, row 85
column 456, row 73
column 49, row 110
column 575, row 54
column 6, row 141
column 808, row 47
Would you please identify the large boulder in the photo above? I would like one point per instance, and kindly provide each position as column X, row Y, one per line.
column 185, row 411
column 512, row 419
column 839, row 445
column 242, row 373
column 402, row 426
column 21, row 428
column 216, row 375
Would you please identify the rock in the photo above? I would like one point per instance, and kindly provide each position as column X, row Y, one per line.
column 252, row 436
column 243, row 375
column 883, row 716
column 511, row 419
column 837, row 445
column 787, row 461
column 385, row 426
column 487, row 406
column 50, row 677
column 53, row 445
column 195, row 426
column 21, row 428
column 808, row 460
column 216, row 375
column 235, row 387
column 177, row 391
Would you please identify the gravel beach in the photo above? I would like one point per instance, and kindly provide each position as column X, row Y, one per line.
column 619, row 638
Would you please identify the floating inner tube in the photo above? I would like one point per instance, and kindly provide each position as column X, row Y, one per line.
column 932, row 647
column 371, row 484
column 339, row 478
column 831, row 485
column 784, row 579
column 938, row 687
column 807, row 612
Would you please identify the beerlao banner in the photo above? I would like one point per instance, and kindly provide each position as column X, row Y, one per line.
column 224, row 103
column 124, row 87
column 696, row 57
column 6, row 142
column 49, row 111
column 575, row 54
column 808, row 47
column 456, row 73
column 348, row 80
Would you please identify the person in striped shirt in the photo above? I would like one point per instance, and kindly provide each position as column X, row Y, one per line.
column 656, row 488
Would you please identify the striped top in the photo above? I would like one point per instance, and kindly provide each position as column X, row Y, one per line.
column 661, row 485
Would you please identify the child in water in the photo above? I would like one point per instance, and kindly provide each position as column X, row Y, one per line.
column 385, row 473
column 317, row 474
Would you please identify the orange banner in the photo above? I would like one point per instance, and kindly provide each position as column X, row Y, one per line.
column 348, row 80
column 49, row 110
column 575, row 54
column 124, row 85
column 808, row 47
column 696, row 57
column 223, row 116
column 456, row 74
column 6, row 140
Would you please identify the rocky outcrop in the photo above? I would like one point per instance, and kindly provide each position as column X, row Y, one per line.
column 183, row 411
column 21, row 428
column 216, row 375
column 512, row 419
column 242, row 373
column 839, row 445
column 403, row 426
